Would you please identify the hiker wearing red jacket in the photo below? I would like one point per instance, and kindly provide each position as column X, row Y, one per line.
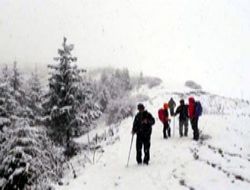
column 164, row 117
column 193, row 118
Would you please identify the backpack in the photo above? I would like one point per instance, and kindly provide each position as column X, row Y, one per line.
column 161, row 115
column 198, row 109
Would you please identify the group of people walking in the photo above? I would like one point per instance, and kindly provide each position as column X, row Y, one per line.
column 143, row 122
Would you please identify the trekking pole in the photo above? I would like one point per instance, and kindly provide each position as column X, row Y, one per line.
column 130, row 149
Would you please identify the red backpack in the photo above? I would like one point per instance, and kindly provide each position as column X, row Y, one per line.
column 161, row 115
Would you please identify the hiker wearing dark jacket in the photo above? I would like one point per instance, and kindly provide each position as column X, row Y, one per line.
column 182, row 110
column 193, row 118
column 142, row 127
column 171, row 105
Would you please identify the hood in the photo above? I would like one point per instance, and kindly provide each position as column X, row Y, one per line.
column 191, row 100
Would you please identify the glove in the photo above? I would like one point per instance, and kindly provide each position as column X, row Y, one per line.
column 144, row 121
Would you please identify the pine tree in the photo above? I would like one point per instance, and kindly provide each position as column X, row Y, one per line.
column 5, row 74
column 34, row 95
column 102, row 92
column 125, row 79
column 17, row 102
column 15, row 79
column 140, row 80
column 28, row 159
column 64, row 98
column 104, row 97
column 16, row 85
column 5, row 97
column 115, row 87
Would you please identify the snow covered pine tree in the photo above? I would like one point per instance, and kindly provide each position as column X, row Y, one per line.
column 28, row 160
column 34, row 96
column 64, row 98
column 4, row 99
column 12, row 97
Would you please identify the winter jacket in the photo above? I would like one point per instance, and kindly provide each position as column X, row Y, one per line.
column 171, row 105
column 183, row 111
column 191, row 108
column 143, row 123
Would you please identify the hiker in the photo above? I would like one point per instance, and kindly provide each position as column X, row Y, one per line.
column 164, row 117
column 194, row 111
column 142, row 127
column 172, row 105
column 182, row 110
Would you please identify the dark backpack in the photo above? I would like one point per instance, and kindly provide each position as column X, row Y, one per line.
column 198, row 109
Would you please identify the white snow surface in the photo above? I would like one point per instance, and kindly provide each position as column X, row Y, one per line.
column 220, row 161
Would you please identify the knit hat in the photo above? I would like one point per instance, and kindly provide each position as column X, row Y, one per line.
column 165, row 105
column 140, row 106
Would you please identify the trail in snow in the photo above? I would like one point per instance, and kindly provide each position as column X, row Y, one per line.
column 220, row 161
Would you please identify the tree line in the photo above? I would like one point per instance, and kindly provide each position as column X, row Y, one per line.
column 37, row 123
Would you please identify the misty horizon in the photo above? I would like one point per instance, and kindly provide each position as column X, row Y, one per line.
column 207, row 42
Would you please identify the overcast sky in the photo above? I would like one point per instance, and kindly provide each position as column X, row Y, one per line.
column 204, row 40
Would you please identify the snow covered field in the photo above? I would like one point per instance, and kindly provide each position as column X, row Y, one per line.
column 220, row 160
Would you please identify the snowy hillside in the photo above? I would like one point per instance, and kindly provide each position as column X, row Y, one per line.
column 220, row 160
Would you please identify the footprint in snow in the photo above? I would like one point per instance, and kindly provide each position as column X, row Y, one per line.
column 117, row 183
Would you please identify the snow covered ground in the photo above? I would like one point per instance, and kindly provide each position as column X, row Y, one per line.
column 220, row 160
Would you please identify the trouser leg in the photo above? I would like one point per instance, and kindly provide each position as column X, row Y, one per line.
column 193, row 128
column 197, row 130
column 138, row 149
column 186, row 127
column 146, row 150
column 181, row 128
column 169, row 130
column 164, row 130
column 194, row 123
